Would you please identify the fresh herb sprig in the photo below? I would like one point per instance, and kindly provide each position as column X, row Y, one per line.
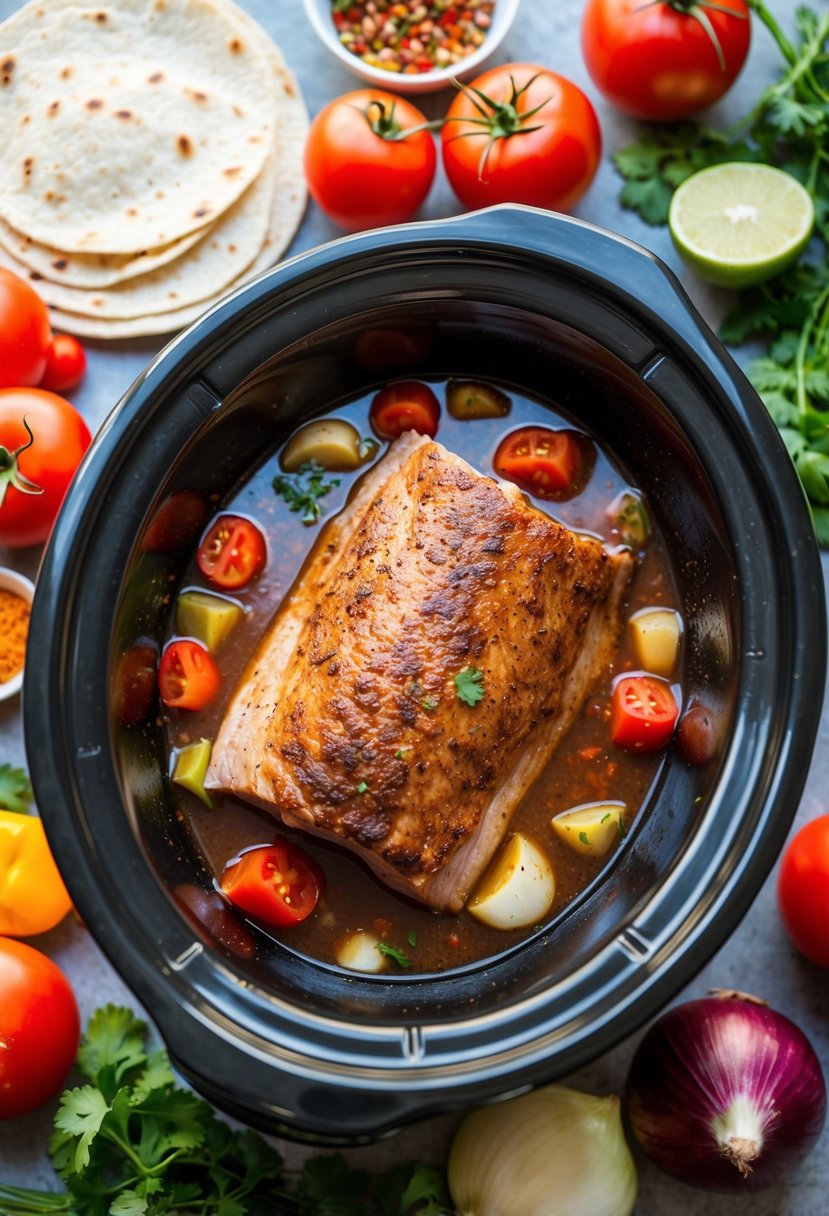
column 469, row 685
column 303, row 489
column 131, row 1142
column 788, row 127
column 15, row 789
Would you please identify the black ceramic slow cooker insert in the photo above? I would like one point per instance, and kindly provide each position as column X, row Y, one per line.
column 305, row 1049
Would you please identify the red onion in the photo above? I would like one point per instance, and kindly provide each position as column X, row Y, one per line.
column 725, row 1094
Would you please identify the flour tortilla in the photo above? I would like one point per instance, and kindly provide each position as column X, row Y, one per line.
column 223, row 254
column 287, row 206
column 92, row 271
column 119, row 140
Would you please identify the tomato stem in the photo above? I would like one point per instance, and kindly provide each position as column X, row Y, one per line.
column 380, row 117
column 502, row 119
column 10, row 474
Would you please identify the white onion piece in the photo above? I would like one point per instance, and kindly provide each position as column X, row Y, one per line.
column 518, row 889
column 554, row 1152
column 592, row 828
column 358, row 952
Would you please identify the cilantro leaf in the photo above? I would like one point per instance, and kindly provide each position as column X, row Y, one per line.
column 112, row 1045
column 426, row 1193
column 81, row 1113
column 329, row 1188
column 394, row 954
column 469, row 685
column 303, row 489
column 15, row 789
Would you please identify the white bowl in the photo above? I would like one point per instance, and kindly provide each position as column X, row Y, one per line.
column 18, row 584
column 319, row 14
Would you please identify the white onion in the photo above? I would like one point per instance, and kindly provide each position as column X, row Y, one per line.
column 552, row 1152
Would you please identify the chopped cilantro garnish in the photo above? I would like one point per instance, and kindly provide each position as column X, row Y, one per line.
column 394, row 954
column 362, row 787
column 469, row 685
column 400, row 753
column 303, row 489
column 605, row 817
column 584, row 838
column 429, row 703
column 412, row 938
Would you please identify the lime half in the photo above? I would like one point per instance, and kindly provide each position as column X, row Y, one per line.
column 739, row 224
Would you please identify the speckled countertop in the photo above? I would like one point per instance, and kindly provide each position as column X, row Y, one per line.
column 757, row 958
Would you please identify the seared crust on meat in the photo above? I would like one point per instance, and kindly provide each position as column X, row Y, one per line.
column 348, row 722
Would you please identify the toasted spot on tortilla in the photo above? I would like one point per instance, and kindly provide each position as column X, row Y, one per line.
column 6, row 69
column 196, row 95
column 94, row 103
column 185, row 145
column 132, row 211
column 52, row 108
column 60, row 263
column 101, row 17
column 65, row 73
column 35, row 276
column 232, row 170
column 123, row 114
column 201, row 211
column 235, row 46
column 156, row 78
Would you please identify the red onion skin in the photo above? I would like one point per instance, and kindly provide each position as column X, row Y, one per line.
column 694, row 1060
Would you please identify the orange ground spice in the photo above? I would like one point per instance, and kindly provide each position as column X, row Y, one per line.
column 14, row 626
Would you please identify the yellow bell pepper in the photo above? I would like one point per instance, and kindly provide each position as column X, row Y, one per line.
column 33, row 898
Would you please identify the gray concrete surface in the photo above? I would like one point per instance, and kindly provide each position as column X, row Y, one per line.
column 758, row 957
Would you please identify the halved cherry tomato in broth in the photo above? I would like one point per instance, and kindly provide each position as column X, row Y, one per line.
column 188, row 677
column 407, row 405
column 176, row 523
column 544, row 462
column 643, row 713
column 276, row 883
column 134, row 685
column 233, row 552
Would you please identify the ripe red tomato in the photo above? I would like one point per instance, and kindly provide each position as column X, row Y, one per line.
column 406, row 405
column 39, row 1028
column 361, row 167
column 25, row 333
column 188, row 677
column 540, row 143
column 65, row 364
column 232, row 552
column 276, row 883
column 663, row 60
column 36, row 468
column 803, row 890
column 643, row 713
column 544, row 462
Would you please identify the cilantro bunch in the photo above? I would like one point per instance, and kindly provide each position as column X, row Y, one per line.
column 788, row 127
column 132, row 1142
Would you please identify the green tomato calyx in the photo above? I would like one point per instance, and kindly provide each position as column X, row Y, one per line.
column 10, row 474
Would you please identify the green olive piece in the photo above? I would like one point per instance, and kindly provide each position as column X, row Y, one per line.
column 467, row 399
column 331, row 442
column 190, row 768
column 208, row 617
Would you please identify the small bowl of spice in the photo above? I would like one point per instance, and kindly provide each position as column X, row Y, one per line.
column 412, row 46
column 16, row 594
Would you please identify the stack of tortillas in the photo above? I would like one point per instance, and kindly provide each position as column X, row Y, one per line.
column 151, row 158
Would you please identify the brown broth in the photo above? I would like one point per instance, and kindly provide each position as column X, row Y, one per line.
column 587, row 768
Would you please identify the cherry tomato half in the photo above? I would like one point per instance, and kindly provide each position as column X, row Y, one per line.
column 188, row 678
column 232, row 552
column 25, row 333
column 643, row 713
column 39, row 1028
column 803, row 890
column 65, row 364
column 276, row 883
column 134, row 685
column 550, row 464
column 406, row 405
column 661, row 60
column 539, row 142
column 362, row 168
column 176, row 523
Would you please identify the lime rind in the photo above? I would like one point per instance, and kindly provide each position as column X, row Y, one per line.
column 740, row 224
